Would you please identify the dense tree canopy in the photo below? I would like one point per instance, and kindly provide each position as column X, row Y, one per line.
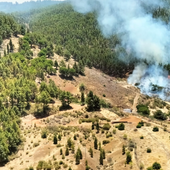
column 8, row 27
column 78, row 35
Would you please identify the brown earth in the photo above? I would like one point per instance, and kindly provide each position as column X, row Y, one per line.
column 131, row 119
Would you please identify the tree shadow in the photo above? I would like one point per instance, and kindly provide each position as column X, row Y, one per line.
column 63, row 108
column 66, row 78
column 2, row 164
column 40, row 113
column 28, row 106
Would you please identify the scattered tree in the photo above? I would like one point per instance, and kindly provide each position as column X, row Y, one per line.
column 61, row 152
column 121, row 126
column 91, row 152
column 55, row 141
column 160, row 115
column 128, row 158
column 95, row 143
column 101, row 158
column 156, row 166
column 123, row 150
column 67, row 151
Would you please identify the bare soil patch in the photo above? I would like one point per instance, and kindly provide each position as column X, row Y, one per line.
column 131, row 119
column 118, row 93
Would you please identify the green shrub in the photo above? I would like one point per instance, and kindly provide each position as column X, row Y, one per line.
column 114, row 131
column 148, row 150
column 159, row 103
column 141, row 123
column 139, row 126
column 106, row 126
column 88, row 120
column 160, row 115
column 106, row 142
column 104, row 104
column 44, row 134
column 128, row 157
column 125, row 137
column 35, row 144
column 108, row 135
column 131, row 145
column 143, row 109
column 141, row 137
column 121, row 126
column 65, row 166
column 31, row 168
column 155, row 129
column 75, row 137
column 156, row 166
column 61, row 162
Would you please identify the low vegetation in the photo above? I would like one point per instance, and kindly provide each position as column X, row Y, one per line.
column 143, row 109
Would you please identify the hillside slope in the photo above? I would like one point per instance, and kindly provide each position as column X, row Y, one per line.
column 80, row 36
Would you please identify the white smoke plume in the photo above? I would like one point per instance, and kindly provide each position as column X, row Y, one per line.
column 146, row 37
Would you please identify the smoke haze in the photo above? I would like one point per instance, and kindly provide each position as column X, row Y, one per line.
column 10, row 6
column 146, row 37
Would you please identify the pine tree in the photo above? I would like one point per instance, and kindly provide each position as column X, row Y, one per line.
column 96, row 102
column 22, row 30
column 11, row 46
column 123, row 149
column 92, row 127
column 104, row 153
column 63, row 157
column 1, row 40
column 81, row 156
column 128, row 158
column 82, row 98
column 87, row 167
column 67, row 151
column 7, row 49
column 69, row 143
column 101, row 158
column 77, row 158
column 95, row 143
column 100, row 146
column 68, row 67
column 81, row 67
column 55, row 141
column 4, row 52
column 72, row 149
column 76, row 68
column 82, row 87
column 56, row 64
column 59, row 137
column 91, row 152
column 61, row 151
column 97, row 127
column 75, row 137
column 89, row 101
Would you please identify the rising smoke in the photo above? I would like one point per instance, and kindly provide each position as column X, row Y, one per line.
column 146, row 37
